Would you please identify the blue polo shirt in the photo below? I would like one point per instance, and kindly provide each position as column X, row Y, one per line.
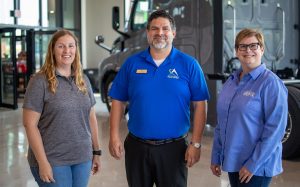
column 252, row 116
column 159, row 97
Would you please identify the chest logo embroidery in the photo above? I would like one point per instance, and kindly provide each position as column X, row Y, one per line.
column 249, row 93
column 173, row 74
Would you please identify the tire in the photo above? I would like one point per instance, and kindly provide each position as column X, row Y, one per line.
column 92, row 74
column 296, row 86
column 107, row 87
column 290, row 142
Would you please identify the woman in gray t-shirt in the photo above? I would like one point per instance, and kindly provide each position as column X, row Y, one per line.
column 59, row 118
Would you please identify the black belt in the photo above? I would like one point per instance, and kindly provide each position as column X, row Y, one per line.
column 157, row 142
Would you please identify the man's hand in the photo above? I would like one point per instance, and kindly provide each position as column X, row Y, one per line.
column 116, row 148
column 192, row 155
column 116, row 113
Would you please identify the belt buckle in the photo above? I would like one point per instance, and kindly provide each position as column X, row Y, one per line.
column 154, row 142
column 157, row 142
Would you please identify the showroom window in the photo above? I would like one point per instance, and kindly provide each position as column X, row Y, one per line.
column 41, row 13
column 29, row 13
column 5, row 17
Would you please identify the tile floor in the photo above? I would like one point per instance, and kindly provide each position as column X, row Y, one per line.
column 14, row 170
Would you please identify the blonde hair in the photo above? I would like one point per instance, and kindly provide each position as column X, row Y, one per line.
column 50, row 63
column 247, row 32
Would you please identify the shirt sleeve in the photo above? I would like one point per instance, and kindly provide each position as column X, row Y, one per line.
column 274, row 101
column 35, row 94
column 198, row 86
column 217, row 147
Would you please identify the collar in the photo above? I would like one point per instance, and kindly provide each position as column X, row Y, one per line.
column 254, row 74
column 146, row 54
column 57, row 74
column 257, row 71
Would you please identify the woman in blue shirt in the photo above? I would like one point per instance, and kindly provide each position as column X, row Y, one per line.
column 252, row 115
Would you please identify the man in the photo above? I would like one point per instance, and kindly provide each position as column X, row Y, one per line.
column 159, row 84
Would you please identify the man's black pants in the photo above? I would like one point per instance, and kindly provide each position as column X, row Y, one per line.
column 162, row 165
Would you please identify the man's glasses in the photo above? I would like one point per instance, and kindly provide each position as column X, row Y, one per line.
column 252, row 46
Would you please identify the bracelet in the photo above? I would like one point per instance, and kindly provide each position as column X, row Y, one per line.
column 99, row 152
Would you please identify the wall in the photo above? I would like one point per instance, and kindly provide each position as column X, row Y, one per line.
column 96, row 20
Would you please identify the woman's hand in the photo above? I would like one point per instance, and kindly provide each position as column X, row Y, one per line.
column 216, row 170
column 96, row 166
column 245, row 175
column 45, row 172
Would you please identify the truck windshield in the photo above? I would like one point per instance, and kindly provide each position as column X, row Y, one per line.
column 140, row 15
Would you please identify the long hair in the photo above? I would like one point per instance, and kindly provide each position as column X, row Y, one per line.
column 50, row 63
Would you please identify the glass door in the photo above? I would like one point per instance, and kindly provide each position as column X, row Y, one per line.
column 8, row 65
column 41, row 40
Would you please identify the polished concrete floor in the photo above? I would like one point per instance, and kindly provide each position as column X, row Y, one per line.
column 14, row 170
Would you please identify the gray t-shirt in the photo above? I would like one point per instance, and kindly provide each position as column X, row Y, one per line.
column 64, row 122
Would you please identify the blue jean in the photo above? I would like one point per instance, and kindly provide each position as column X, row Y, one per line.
column 76, row 175
column 255, row 181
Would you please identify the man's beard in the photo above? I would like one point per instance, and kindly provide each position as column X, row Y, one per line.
column 159, row 42
column 159, row 45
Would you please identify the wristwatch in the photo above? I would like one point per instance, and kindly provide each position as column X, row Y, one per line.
column 196, row 144
column 99, row 152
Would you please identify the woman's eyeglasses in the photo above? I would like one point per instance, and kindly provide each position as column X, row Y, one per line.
column 252, row 46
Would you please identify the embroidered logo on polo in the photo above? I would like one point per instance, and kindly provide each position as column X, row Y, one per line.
column 173, row 74
column 249, row 93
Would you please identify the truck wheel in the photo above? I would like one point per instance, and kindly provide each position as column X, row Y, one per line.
column 107, row 87
column 291, row 145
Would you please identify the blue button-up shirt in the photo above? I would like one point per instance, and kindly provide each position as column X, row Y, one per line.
column 252, row 116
